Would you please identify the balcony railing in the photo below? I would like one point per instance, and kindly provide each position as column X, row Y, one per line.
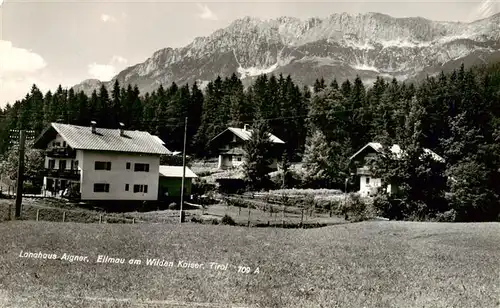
column 61, row 152
column 63, row 174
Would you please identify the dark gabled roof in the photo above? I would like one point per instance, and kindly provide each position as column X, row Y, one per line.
column 82, row 138
column 246, row 134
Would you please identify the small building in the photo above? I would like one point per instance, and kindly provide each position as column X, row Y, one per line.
column 369, row 185
column 101, row 164
column 230, row 147
column 171, row 182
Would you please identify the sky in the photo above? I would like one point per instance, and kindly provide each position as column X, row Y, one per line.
column 65, row 42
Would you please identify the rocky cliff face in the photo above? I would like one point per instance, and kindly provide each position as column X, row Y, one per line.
column 340, row 46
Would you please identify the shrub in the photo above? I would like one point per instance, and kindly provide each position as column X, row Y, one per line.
column 228, row 220
column 355, row 207
column 388, row 207
column 215, row 222
column 196, row 220
column 202, row 187
column 448, row 216
column 172, row 206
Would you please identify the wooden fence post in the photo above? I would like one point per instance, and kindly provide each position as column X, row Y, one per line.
column 302, row 217
column 37, row 214
column 64, row 216
column 283, row 217
column 239, row 210
column 249, row 215
column 133, row 220
column 100, row 218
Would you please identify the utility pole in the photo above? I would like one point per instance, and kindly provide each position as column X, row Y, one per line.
column 20, row 174
column 181, row 218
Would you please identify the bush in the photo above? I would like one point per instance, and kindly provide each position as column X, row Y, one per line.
column 448, row 216
column 355, row 208
column 29, row 188
column 201, row 187
column 389, row 207
column 228, row 220
column 196, row 220
column 172, row 206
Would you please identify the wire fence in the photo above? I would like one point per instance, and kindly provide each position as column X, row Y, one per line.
column 251, row 210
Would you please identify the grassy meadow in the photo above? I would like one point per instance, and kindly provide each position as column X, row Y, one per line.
column 367, row 264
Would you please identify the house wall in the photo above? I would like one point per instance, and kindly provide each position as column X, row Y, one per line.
column 235, row 162
column 118, row 176
column 173, row 186
column 59, row 139
column 368, row 188
column 225, row 161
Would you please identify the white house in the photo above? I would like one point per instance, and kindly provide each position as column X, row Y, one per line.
column 102, row 164
column 230, row 142
column 369, row 185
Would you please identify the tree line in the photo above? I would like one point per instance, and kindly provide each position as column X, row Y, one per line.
column 455, row 115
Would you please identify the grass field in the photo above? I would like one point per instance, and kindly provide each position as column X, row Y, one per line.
column 368, row 264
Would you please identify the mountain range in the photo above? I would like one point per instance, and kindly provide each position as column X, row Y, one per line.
column 341, row 46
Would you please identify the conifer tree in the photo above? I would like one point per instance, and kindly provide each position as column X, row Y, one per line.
column 257, row 156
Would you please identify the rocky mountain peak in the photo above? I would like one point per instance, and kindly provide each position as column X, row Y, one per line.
column 341, row 45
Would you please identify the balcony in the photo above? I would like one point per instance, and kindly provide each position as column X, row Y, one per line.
column 61, row 152
column 62, row 174
column 363, row 171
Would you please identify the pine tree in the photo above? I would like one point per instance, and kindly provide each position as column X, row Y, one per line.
column 257, row 156
column 317, row 161
column 319, row 85
column 117, row 105
column 73, row 114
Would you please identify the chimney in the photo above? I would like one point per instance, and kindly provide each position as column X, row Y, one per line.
column 121, row 128
column 93, row 124
column 245, row 127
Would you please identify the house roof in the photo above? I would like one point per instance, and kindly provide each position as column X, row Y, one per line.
column 246, row 134
column 82, row 138
column 395, row 149
column 175, row 172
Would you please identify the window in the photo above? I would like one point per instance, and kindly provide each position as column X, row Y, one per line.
column 102, row 165
column 367, row 180
column 52, row 163
column 101, row 187
column 126, row 187
column 141, row 167
column 75, row 164
column 62, row 165
column 238, row 158
column 128, row 166
column 141, row 188
column 64, row 144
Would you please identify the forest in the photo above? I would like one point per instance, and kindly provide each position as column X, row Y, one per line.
column 456, row 115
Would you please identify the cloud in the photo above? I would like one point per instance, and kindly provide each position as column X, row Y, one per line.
column 105, row 72
column 19, row 70
column 206, row 13
column 106, row 18
column 18, row 60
